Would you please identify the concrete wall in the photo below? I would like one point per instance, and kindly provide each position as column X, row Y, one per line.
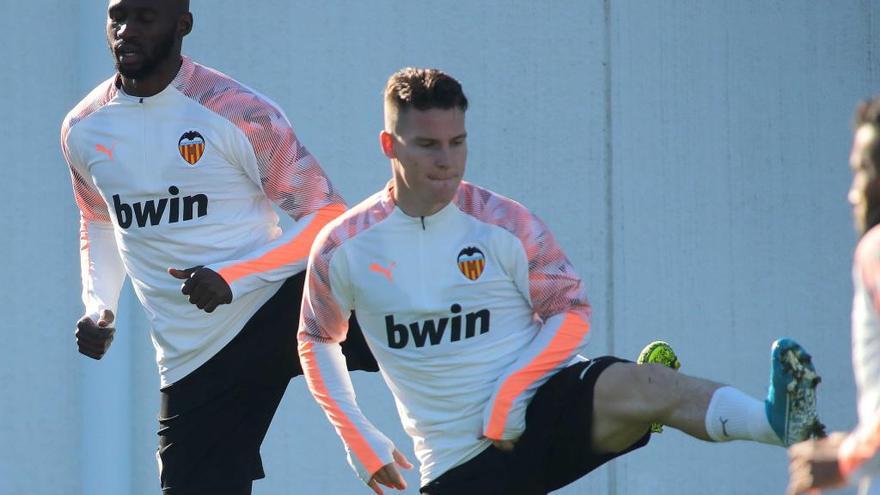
column 690, row 156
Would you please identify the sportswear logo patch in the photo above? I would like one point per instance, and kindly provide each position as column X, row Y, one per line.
column 471, row 262
column 105, row 150
column 191, row 146
column 586, row 368
column 376, row 267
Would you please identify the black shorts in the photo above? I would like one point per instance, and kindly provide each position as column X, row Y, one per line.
column 554, row 450
column 213, row 421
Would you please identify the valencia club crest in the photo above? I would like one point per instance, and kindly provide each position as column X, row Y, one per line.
column 471, row 262
column 191, row 146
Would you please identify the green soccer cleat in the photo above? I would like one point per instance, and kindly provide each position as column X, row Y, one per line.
column 659, row 352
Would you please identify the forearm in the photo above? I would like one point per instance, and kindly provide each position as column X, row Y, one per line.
column 560, row 339
column 328, row 381
column 101, row 267
column 860, row 453
column 278, row 260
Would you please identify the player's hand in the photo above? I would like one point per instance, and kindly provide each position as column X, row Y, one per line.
column 93, row 339
column 205, row 287
column 389, row 475
column 813, row 465
column 504, row 445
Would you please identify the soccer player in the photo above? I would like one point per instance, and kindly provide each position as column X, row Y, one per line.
column 476, row 318
column 175, row 168
column 855, row 457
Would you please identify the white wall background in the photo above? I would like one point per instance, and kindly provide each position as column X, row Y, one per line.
column 689, row 154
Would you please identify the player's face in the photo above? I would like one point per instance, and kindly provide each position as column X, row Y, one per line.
column 428, row 158
column 864, row 193
column 142, row 34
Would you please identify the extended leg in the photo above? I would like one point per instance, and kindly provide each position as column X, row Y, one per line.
column 629, row 397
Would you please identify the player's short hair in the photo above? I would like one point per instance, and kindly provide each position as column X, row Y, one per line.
column 423, row 89
column 868, row 113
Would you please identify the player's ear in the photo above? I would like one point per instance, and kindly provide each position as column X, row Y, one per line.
column 185, row 24
column 386, row 140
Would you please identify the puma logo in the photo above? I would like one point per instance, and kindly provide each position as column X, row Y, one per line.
column 105, row 150
column 724, row 426
column 587, row 368
column 376, row 267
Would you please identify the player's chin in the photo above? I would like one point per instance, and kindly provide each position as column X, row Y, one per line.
column 132, row 70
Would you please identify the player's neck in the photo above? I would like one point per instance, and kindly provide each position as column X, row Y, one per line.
column 154, row 83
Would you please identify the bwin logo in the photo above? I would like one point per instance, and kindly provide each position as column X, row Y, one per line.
column 433, row 331
column 151, row 212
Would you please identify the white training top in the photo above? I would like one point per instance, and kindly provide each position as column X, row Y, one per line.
column 185, row 178
column 467, row 311
column 860, row 452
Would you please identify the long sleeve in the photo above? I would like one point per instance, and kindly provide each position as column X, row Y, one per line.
column 101, row 267
column 558, row 298
column 323, row 324
column 271, row 155
column 860, row 452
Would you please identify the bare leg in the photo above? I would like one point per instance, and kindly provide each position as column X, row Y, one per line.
column 629, row 397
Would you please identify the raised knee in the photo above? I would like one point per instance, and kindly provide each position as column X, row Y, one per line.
column 655, row 388
column 643, row 392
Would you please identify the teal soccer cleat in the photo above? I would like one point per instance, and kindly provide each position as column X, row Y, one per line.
column 791, row 400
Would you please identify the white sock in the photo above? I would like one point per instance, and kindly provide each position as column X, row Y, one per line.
column 733, row 415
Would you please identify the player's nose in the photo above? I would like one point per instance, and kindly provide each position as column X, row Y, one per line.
column 853, row 197
column 442, row 158
column 127, row 31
